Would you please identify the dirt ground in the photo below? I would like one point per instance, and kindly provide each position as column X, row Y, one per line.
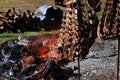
column 23, row 4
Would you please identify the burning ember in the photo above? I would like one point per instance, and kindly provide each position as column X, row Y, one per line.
column 36, row 59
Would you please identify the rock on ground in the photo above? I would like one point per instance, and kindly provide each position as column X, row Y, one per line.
column 100, row 63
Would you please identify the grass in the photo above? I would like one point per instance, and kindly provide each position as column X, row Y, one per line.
column 23, row 5
column 9, row 36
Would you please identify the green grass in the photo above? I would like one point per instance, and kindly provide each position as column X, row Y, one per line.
column 9, row 36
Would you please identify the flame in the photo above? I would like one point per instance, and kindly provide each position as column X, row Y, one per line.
column 43, row 52
column 45, row 46
column 23, row 62
column 46, row 51
column 27, row 60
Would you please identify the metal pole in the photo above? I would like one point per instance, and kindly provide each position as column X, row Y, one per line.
column 78, row 68
column 78, row 56
column 118, row 58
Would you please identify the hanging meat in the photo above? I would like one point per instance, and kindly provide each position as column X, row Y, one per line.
column 78, row 30
column 109, row 22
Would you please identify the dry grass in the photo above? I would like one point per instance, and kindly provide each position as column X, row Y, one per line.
column 23, row 4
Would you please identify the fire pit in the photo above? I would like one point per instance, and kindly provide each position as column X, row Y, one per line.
column 28, row 59
column 45, row 57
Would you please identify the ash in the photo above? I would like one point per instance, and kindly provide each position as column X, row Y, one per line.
column 99, row 64
column 19, row 61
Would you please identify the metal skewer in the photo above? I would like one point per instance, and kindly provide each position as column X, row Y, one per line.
column 118, row 58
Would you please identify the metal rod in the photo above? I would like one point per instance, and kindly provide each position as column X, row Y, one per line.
column 78, row 68
column 118, row 58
